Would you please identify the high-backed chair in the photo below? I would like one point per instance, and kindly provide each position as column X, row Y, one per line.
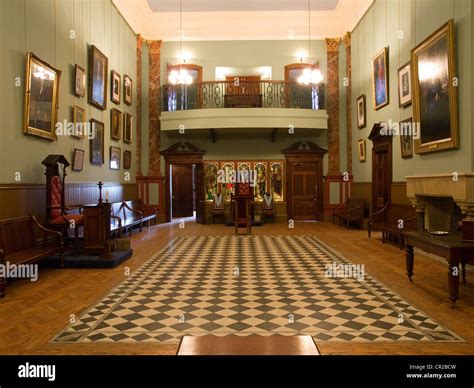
column 218, row 207
column 268, row 210
column 58, row 216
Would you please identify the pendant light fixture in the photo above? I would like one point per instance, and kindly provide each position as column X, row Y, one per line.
column 181, row 77
column 310, row 75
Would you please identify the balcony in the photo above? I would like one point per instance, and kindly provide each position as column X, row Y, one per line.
column 233, row 104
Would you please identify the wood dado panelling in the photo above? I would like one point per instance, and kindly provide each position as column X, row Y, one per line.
column 363, row 190
column 17, row 200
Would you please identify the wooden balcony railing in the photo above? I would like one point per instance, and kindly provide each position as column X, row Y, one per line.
column 243, row 94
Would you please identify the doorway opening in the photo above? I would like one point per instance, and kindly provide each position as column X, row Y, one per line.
column 183, row 191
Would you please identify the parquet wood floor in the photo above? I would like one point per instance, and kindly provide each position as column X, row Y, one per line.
column 31, row 314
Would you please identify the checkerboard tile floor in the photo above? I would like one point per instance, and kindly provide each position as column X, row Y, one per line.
column 250, row 285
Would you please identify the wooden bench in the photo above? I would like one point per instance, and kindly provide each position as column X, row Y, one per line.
column 392, row 220
column 18, row 244
column 127, row 214
column 353, row 212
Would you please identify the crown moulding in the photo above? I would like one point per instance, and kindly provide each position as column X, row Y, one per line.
column 242, row 25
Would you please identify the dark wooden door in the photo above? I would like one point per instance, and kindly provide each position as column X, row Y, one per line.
column 200, row 194
column 182, row 190
column 304, row 191
column 381, row 177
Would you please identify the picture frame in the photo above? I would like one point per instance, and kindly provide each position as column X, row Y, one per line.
column 435, row 105
column 115, row 124
column 404, row 85
column 41, row 99
column 79, row 122
column 406, row 138
column 127, row 128
column 115, row 82
column 361, row 111
column 380, row 79
column 127, row 90
column 361, row 149
column 114, row 160
column 127, row 160
column 78, row 159
column 79, row 81
column 97, row 142
column 98, row 74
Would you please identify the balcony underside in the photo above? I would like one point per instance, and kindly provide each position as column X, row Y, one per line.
column 316, row 120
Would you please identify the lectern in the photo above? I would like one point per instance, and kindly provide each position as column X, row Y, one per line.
column 242, row 203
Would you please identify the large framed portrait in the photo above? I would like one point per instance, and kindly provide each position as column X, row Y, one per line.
column 41, row 98
column 127, row 160
column 98, row 72
column 97, row 142
column 127, row 90
column 115, row 124
column 115, row 81
column 404, row 85
column 127, row 128
column 380, row 79
column 79, row 81
column 78, row 159
column 406, row 138
column 115, row 154
column 361, row 111
column 361, row 150
column 79, row 122
column 434, row 91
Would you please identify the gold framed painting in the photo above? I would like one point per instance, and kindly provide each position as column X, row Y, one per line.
column 97, row 142
column 404, row 86
column 127, row 160
column 361, row 150
column 127, row 90
column 406, row 138
column 41, row 100
column 361, row 112
column 127, row 128
column 114, row 159
column 435, row 91
column 79, row 81
column 380, row 73
column 115, row 81
column 115, row 124
column 98, row 72
column 79, row 122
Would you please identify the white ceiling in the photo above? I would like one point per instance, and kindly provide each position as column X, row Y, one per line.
column 242, row 19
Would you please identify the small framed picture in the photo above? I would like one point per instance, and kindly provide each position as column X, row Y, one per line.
column 380, row 79
column 115, row 124
column 115, row 82
column 78, row 159
column 79, row 81
column 404, row 85
column 98, row 74
column 127, row 160
column 361, row 150
column 406, row 138
column 97, row 142
column 127, row 90
column 127, row 128
column 115, row 154
column 79, row 121
column 361, row 111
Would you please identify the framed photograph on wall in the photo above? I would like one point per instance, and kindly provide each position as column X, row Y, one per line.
column 127, row 160
column 115, row 124
column 79, row 122
column 78, row 159
column 127, row 90
column 115, row 154
column 127, row 128
column 98, row 72
column 79, row 81
column 361, row 150
column 361, row 111
column 434, row 93
column 41, row 100
column 404, row 85
column 380, row 79
column 116, row 81
column 406, row 138
column 97, row 142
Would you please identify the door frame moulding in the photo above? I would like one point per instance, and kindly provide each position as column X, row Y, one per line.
column 179, row 153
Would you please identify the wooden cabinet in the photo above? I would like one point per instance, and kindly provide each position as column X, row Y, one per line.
column 97, row 222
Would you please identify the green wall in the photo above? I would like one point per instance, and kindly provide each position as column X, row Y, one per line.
column 43, row 27
column 378, row 29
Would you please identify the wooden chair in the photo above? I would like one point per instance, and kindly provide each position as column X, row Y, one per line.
column 268, row 210
column 218, row 207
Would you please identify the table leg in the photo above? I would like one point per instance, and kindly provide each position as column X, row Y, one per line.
column 410, row 258
column 453, row 281
column 463, row 263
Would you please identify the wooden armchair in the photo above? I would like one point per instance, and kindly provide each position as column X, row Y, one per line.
column 352, row 212
column 268, row 210
column 218, row 207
